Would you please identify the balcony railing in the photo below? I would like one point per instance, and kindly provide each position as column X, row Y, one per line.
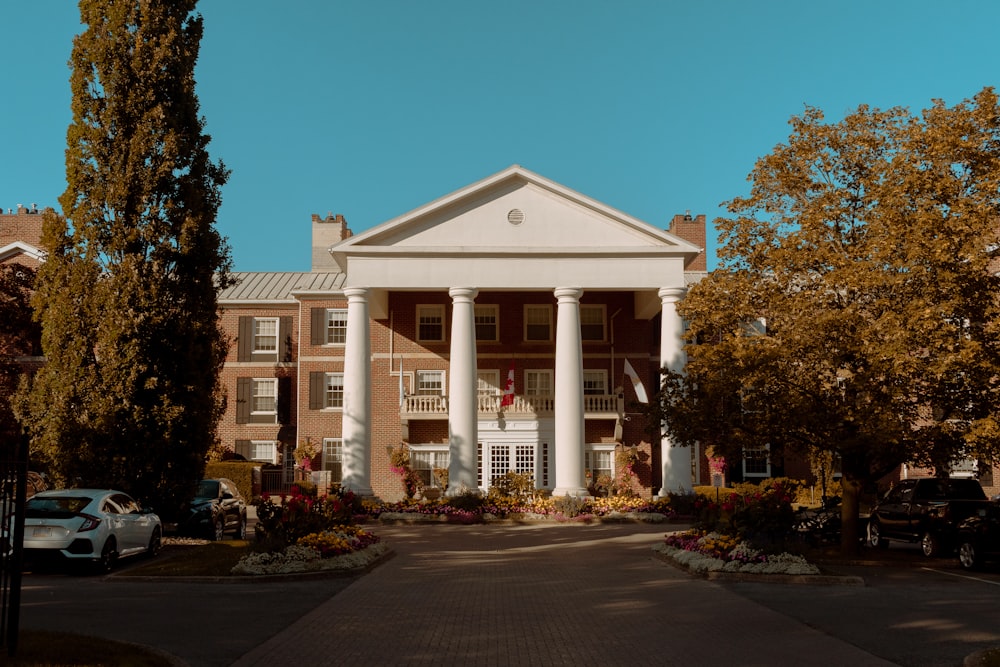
column 431, row 407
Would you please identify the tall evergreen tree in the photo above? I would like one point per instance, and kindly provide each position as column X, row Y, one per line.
column 19, row 337
column 130, row 396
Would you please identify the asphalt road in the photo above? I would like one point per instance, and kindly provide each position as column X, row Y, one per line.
column 925, row 613
column 917, row 613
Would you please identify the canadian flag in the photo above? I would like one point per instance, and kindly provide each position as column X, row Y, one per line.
column 508, row 389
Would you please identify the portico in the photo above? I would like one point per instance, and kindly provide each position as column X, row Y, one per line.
column 512, row 239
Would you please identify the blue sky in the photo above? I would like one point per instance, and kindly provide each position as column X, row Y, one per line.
column 371, row 108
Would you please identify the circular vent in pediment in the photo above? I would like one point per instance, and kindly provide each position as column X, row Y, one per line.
column 515, row 216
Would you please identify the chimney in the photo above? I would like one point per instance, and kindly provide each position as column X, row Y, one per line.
column 325, row 233
column 691, row 230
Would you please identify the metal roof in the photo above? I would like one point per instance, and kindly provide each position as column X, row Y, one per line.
column 272, row 287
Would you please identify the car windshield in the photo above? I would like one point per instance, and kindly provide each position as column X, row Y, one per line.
column 207, row 488
column 55, row 506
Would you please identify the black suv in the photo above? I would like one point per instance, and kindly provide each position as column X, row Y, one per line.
column 216, row 508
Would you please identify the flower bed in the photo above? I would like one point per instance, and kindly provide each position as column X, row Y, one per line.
column 340, row 548
column 702, row 553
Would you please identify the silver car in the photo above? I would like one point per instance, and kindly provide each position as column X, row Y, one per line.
column 93, row 526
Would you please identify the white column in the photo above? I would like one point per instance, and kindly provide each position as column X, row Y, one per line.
column 356, row 429
column 463, row 418
column 675, row 460
column 569, row 472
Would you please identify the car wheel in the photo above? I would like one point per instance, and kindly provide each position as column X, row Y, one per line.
column 220, row 529
column 875, row 536
column 109, row 554
column 241, row 529
column 155, row 541
column 930, row 545
column 967, row 556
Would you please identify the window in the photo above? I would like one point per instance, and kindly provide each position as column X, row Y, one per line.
column 595, row 383
column 430, row 323
column 265, row 334
column 487, row 383
column 538, row 383
column 264, row 400
column 486, row 323
column 263, row 450
column 333, row 459
column 756, row 461
column 333, row 391
column 538, row 323
column 336, row 326
column 264, row 339
column 424, row 459
column 430, row 383
column 599, row 462
column 592, row 323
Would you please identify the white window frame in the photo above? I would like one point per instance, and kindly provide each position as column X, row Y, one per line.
column 333, row 459
column 757, row 474
column 532, row 386
column 260, row 340
column 330, row 393
column 487, row 315
column 264, row 450
column 258, row 394
column 435, row 310
column 595, row 382
column 531, row 309
column 426, row 387
column 335, row 332
column 424, row 458
column 601, row 310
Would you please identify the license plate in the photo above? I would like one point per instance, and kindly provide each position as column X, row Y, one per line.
column 41, row 531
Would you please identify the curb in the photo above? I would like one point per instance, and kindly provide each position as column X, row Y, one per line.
column 744, row 577
column 260, row 578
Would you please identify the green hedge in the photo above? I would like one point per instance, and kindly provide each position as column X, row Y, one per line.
column 240, row 472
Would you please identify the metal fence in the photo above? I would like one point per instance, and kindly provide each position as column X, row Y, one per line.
column 13, row 492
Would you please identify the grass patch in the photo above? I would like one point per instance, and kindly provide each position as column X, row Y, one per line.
column 38, row 648
column 212, row 559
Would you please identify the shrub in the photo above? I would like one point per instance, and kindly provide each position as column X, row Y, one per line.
column 570, row 506
column 282, row 524
column 467, row 501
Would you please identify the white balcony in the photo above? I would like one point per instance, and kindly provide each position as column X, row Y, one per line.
column 436, row 407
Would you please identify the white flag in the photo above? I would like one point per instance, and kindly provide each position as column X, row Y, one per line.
column 640, row 390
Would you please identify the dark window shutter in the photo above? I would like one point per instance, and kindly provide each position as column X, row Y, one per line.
column 244, row 339
column 317, row 390
column 244, row 387
column 284, row 400
column 285, row 338
column 318, row 326
column 243, row 448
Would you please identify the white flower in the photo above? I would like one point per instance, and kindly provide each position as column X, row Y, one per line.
column 298, row 558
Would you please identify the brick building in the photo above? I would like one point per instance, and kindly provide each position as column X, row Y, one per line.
column 409, row 332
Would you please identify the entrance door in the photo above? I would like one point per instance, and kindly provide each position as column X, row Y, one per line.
column 503, row 457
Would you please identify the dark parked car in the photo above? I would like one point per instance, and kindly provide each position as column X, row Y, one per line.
column 928, row 511
column 979, row 538
column 216, row 508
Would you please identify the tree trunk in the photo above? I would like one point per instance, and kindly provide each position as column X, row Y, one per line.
column 849, row 521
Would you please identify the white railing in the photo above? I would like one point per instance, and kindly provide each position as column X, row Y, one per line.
column 426, row 406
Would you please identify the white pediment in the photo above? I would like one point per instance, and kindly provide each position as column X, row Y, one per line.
column 514, row 229
column 514, row 209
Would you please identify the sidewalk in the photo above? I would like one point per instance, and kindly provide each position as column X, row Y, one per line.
column 542, row 595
